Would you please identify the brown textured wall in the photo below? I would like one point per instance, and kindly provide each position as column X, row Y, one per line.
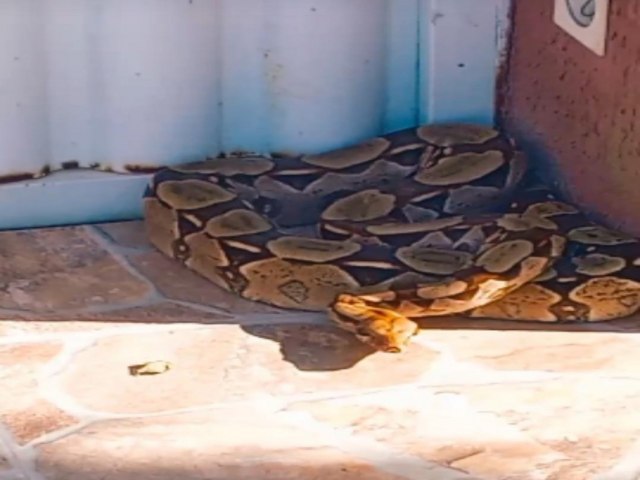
column 578, row 113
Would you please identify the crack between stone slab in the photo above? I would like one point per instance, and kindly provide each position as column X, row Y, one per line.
column 201, row 307
column 308, row 318
column 274, row 404
column 377, row 454
column 278, row 403
column 411, row 467
column 114, row 244
column 49, row 375
column 60, row 434
column 123, row 261
column 20, row 459
column 125, row 251
column 627, row 468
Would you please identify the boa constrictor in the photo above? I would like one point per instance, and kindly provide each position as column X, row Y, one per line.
column 423, row 222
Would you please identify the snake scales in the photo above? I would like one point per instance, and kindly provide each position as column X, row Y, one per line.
column 428, row 221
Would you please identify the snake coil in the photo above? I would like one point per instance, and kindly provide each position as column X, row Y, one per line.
column 423, row 222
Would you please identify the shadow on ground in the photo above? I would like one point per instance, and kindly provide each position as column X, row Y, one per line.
column 314, row 347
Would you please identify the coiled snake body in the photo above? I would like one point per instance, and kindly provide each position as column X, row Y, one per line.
column 423, row 222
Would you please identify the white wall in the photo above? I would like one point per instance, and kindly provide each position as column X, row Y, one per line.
column 157, row 82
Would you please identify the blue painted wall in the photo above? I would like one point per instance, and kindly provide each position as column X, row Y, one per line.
column 157, row 82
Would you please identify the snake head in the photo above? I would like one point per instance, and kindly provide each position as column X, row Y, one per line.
column 381, row 328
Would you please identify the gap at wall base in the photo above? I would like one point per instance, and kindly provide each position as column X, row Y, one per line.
column 71, row 198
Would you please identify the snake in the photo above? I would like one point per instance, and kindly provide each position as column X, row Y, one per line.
column 442, row 219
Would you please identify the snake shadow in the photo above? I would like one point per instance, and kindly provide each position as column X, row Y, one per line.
column 325, row 347
column 314, row 347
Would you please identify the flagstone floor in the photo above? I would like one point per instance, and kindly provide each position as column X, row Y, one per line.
column 254, row 392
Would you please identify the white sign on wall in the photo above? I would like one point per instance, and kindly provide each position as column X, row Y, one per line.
column 585, row 20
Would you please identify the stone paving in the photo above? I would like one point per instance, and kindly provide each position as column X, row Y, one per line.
column 254, row 392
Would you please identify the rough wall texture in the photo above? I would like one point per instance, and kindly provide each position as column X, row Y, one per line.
column 578, row 113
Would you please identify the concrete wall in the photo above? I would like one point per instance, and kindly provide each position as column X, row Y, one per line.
column 579, row 113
